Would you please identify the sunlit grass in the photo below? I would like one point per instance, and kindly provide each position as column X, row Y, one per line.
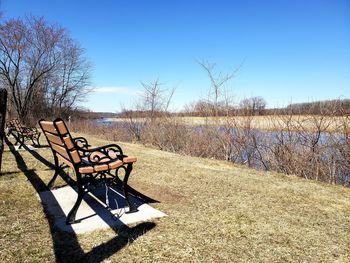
column 217, row 212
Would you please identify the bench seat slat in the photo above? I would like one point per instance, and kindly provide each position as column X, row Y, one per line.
column 101, row 167
column 129, row 159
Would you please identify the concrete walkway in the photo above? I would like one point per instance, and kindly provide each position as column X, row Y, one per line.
column 92, row 214
column 24, row 148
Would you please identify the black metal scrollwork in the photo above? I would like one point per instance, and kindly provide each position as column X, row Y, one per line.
column 81, row 142
column 98, row 155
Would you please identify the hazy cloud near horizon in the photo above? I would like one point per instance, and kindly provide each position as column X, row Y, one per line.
column 117, row 90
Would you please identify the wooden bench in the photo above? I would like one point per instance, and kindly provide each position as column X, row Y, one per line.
column 92, row 165
column 22, row 133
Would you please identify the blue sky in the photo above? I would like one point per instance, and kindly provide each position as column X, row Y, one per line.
column 289, row 50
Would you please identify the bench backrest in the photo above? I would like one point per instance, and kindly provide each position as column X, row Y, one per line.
column 60, row 140
column 16, row 125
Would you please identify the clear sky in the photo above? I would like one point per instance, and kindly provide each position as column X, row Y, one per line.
column 290, row 50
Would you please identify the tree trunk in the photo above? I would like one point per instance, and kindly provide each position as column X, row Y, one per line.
column 3, row 101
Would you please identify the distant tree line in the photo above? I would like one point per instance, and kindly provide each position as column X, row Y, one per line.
column 254, row 106
column 43, row 69
column 338, row 107
column 246, row 107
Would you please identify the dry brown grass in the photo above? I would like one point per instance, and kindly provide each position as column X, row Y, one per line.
column 217, row 212
column 268, row 123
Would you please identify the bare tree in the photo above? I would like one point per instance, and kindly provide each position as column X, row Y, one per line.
column 217, row 95
column 151, row 112
column 37, row 58
column 219, row 103
column 3, row 103
column 204, row 107
column 253, row 106
column 155, row 100
column 70, row 81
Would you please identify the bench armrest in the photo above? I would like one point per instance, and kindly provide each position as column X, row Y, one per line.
column 27, row 129
column 106, row 153
column 81, row 142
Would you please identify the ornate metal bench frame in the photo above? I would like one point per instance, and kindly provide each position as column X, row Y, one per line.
column 91, row 164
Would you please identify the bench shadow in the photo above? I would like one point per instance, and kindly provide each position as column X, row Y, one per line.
column 65, row 244
column 8, row 173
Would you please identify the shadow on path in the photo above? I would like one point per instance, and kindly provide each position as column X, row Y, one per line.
column 66, row 246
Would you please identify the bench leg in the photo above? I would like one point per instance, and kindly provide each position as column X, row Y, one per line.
column 21, row 141
column 16, row 137
column 37, row 139
column 57, row 169
column 72, row 213
column 132, row 207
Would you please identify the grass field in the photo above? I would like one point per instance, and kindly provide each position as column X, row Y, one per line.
column 217, row 212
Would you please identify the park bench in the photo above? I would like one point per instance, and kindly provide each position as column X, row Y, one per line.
column 22, row 133
column 92, row 165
